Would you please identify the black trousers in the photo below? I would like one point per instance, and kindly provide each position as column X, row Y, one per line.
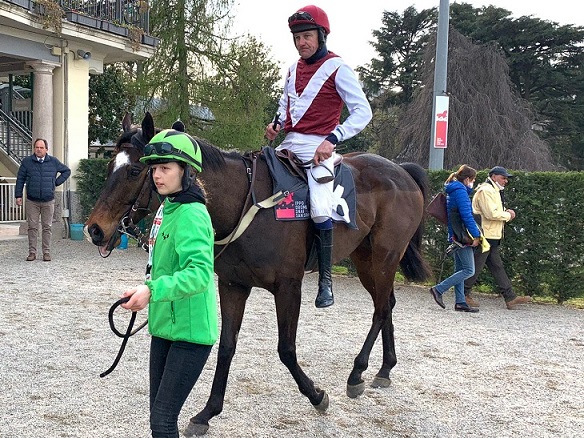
column 492, row 259
column 174, row 369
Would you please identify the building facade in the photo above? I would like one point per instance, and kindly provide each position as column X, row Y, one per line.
column 61, row 42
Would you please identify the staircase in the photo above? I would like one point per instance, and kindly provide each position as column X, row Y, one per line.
column 15, row 133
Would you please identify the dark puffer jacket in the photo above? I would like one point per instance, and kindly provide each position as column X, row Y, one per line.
column 40, row 178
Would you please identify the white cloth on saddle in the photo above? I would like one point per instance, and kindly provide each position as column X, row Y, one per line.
column 321, row 195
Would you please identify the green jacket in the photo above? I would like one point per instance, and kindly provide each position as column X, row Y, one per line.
column 183, row 304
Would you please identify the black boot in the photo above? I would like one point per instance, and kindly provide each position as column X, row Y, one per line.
column 325, row 281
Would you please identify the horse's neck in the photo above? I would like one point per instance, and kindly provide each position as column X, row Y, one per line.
column 226, row 191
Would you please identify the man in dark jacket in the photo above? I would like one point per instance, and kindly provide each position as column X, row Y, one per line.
column 39, row 172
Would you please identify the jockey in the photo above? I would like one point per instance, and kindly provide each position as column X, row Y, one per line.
column 316, row 88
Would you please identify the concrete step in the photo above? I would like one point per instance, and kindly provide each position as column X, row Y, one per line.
column 10, row 230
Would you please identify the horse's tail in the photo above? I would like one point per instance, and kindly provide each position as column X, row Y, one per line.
column 413, row 265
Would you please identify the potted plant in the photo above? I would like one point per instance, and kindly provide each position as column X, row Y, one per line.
column 84, row 20
column 51, row 14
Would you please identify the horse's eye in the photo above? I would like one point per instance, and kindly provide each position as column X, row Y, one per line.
column 135, row 170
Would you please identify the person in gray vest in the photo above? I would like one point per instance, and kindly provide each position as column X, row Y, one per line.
column 41, row 173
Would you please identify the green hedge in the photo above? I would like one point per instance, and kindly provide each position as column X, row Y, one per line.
column 91, row 176
column 543, row 246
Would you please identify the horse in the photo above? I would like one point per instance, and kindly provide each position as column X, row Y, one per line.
column 272, row 254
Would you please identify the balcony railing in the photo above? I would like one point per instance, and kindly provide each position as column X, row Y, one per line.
column 124, row 12
column 114, row 16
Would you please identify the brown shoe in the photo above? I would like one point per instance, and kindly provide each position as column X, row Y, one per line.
column 471, row 302
column 46, row 257
column 519, row 300
column 31, row 257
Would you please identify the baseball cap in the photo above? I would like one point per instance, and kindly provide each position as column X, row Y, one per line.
column 498, row 170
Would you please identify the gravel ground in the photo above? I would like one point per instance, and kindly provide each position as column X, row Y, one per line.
column 497, row 373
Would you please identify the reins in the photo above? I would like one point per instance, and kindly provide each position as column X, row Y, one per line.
column 124, row 336
column 251, row 173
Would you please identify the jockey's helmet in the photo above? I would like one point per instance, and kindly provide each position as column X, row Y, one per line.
column 308, row 18
column 173, row 145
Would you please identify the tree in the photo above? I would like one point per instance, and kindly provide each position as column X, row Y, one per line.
column 107, row 104
column 241, row 95
column 191, row 34
column 488, row 123
column 544, row 62
column 400, row 44
column 545, row 65
column 391, row 79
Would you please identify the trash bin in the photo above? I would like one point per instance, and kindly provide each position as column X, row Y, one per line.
column 76, row 231
column 123, row 242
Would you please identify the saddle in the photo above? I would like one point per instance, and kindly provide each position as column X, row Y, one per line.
column 297, row 167
column 294, row 164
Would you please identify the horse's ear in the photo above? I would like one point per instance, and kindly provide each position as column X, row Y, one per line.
column 147, row 127
column 127, row 122
column 179, row 126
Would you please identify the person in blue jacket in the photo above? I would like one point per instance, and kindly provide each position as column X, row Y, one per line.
column 41, row 173
column 458, row 188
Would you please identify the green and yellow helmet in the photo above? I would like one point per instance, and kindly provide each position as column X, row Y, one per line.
column 172, row 145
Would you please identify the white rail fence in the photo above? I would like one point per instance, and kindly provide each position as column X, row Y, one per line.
column 9, row 211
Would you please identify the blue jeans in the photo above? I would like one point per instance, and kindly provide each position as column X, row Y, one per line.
column 464, row 268
column 175, row 367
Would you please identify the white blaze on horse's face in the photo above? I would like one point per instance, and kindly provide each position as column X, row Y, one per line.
column 122, row 159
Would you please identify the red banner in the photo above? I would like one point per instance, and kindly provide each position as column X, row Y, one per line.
column 441, row 122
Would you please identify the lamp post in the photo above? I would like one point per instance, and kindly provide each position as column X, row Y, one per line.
column 436, row 161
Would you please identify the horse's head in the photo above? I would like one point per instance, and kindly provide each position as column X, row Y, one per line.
column 125, row 198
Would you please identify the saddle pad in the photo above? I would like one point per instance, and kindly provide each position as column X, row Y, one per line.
column 296, row 205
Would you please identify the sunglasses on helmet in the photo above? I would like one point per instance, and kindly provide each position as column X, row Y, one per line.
column 300, row 16
column 162, row 148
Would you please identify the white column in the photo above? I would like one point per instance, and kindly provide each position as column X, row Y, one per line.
column 42, row 108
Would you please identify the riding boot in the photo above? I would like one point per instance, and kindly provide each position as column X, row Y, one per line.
column 325, row 281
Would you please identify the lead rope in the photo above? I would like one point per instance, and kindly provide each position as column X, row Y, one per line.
column 153, row 233
column 125, row 336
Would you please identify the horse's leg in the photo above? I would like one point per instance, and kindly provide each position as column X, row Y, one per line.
column 377, row 273
column 287, row 298
column 233, row 299
column 382, row 379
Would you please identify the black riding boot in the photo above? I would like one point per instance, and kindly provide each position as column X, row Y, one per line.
column 325, row 281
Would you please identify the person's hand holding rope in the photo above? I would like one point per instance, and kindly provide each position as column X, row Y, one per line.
column 139, row 298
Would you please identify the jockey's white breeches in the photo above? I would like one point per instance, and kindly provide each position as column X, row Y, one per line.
column 321, row 195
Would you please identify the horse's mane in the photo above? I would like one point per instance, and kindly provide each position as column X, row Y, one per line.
column 213, row 157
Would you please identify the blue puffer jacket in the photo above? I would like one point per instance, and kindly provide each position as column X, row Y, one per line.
column 40, row 178
column 458, row 196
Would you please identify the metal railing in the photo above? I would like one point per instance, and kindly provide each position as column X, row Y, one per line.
column 15, row 139
column 121, row 12
column 9, row 211
column 131, row 12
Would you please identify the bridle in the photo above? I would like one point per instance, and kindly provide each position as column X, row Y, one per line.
column 127, row 224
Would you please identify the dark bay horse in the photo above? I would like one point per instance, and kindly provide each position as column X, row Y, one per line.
column 272, row 254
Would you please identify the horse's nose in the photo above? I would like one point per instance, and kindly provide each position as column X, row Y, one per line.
column 95, row 233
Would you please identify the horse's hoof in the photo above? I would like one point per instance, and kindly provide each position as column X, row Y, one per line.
column 380, row 382
column 195, row 429
column 354, row 391
column 324, row 404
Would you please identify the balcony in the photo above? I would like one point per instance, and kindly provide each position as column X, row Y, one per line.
column 114, row 16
